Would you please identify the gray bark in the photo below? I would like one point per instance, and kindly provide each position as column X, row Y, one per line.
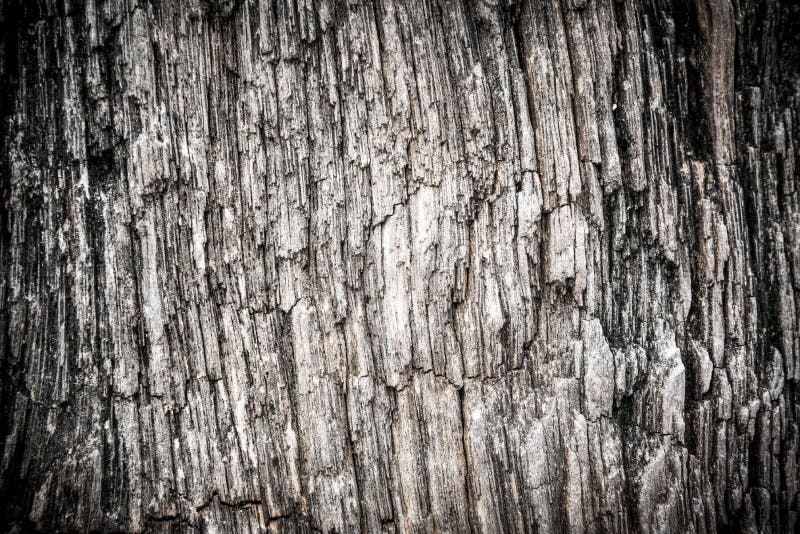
column 399, row 266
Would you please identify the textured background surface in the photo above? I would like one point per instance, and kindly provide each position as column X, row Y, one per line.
column 402, row 266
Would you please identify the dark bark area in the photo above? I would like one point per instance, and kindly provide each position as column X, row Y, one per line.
column 446, row 265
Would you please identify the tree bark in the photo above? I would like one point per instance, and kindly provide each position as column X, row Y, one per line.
column 451, row 266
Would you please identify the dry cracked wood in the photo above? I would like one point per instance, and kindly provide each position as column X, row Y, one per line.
column 400, row 265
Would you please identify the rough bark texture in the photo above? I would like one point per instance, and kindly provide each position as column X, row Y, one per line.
column 399, row 266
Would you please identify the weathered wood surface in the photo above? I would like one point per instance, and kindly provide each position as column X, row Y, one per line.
column 403, row 266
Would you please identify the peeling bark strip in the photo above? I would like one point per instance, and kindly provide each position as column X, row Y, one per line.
column 402, row 266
